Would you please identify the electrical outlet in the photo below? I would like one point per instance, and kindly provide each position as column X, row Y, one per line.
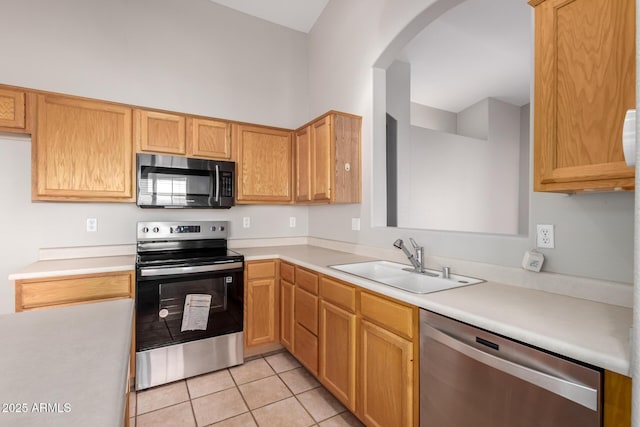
column 355, row 224
column 92, row 224
column 292, row 221
column 544, row 236
column 246, row 222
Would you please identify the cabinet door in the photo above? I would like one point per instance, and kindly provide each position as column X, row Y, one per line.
column 286, row 314
column 82, row 150
column 261, row 312
column 386, row 382
column 12, row 109
column 617, row 400
column 209, row 139
column 264, row 169
column 322, row 156
column 337, row 364
column 160, row 132
column 304, row 174
column 584, row 83
column 306, row 310
column 347, row 178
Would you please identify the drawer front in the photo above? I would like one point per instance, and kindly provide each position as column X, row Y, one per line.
column 287, row 272
column 305, row 348
column 69, row 290
column 306, row 310
column 392, row 315
column 338, row 293
column 260, row 269
column 307, row 280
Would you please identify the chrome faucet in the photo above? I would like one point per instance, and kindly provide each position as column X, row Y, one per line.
column 416, row 258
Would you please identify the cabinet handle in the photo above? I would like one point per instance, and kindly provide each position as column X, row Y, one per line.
column 629, row 138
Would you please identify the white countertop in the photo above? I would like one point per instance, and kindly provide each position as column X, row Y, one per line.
column 66, row 366
column 593, row 332
column 75, row 266
column 584, row 330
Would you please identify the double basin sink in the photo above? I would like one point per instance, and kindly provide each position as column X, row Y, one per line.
column 404, row 277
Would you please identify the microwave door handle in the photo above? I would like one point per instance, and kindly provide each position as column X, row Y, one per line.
column 217, row 183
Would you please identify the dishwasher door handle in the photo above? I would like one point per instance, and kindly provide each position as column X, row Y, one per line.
column 578, row 393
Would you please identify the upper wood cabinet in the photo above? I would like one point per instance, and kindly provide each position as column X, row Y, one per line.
column 208, row 138
column 177, row 134
column 264, row 164
column 584, row 82
column 328, row 160
column 13, row 106
column 82, row 150
column 160, row 132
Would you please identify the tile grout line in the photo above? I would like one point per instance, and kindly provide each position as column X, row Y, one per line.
column 193, row 412
column 242, row 396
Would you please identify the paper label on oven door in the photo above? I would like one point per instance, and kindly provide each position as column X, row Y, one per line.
column 196, row 312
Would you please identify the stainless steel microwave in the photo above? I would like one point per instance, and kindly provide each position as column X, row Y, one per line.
column 180, row 182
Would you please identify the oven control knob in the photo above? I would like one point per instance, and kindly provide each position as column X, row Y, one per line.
column 222, row 228
column 214, row 228
column 145, row 229
column 156, row 229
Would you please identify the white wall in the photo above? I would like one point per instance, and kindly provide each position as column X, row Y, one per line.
column 594, row 232
column 194, row 57
column 433, row 118
column 466, row 184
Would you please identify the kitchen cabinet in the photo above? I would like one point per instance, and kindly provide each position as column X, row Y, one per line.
column 584, row 82
column 82, row 151
column 261, row 307
column 32, row 294
column 337, row 339
column 178, row 134
column 158, row 132
column 305, row 332
column 287, row 288
column 328, row 160
column 388, row 344
column 209, row 139
column 264, row 164
column 16, row 110
column 617, row 400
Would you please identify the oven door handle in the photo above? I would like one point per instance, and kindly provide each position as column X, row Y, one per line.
column 166, row 271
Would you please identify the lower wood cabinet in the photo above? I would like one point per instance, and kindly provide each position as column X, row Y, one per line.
column 617, row 400
column 261, row 304
column 337, row 338
column 305, row 329
column 386, row 377
column 287, row 288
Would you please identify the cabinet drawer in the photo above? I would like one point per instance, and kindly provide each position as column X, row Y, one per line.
column 338, row 293
column 307, row 280
column 72, row 289
column 261, row 269
column 306, row 310
column 392, row 315
column 305, row 346
column 287, row 272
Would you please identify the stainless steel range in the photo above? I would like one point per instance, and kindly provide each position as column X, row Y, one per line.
column 189, row 301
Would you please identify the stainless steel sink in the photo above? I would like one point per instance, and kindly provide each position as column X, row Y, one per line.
column 397, row 275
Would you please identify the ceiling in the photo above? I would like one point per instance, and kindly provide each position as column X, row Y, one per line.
column 299, row 15
column 479, row 49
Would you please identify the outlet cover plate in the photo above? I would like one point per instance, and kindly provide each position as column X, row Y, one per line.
column 355, row 224
column 544, row 236
column 246, row 222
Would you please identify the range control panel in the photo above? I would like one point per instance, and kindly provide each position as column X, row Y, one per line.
column 182, row 230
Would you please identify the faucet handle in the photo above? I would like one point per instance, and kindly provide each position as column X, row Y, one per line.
column 414, row 244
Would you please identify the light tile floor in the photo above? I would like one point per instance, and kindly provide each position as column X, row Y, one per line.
column 273, row 391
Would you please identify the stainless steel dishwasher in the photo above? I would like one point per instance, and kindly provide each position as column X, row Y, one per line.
column 473, row 378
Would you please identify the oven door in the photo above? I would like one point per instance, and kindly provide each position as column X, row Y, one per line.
column 177, row 305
